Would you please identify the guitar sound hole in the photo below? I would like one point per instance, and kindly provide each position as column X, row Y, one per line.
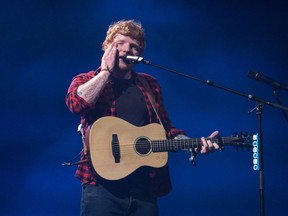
column 143, row 146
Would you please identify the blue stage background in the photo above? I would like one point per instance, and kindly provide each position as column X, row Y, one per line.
column 45, row 43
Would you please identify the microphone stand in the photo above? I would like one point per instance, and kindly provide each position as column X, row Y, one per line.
column 259, row 110
column 276, row 95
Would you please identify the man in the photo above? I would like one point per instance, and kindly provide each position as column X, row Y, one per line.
column 115, row 89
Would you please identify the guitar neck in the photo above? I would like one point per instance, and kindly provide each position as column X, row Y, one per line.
column 191, row 143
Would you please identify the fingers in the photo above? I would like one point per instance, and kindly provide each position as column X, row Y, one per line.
column 214, row 134
column 109, row 56
column 207, row 145
column 214, row 145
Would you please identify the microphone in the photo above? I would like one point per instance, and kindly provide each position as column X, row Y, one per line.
column 260, row 77
column 135, row 59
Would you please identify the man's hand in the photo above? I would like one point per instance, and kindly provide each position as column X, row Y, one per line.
column 207, row 145
column 109, row 57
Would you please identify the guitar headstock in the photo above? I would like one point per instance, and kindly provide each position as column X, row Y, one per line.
column 238, row 140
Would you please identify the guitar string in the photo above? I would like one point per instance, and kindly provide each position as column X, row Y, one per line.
column 225, row 139
column 196, row 141
column 157, row 144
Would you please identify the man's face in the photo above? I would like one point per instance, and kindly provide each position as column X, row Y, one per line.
column 126, row 46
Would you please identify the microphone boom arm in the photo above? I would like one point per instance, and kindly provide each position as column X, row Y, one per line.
column 211, row 83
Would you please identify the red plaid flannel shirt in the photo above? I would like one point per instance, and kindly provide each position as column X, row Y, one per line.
column 105, row 106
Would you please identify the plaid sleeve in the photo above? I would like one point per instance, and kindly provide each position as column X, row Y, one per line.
column 75, row 103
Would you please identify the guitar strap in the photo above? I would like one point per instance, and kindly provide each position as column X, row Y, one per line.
column 81, row 131
column 150, row 96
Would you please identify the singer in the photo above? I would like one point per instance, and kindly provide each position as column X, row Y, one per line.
column 115, row 89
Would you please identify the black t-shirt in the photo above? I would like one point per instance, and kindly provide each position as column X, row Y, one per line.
column 130, row 102
column 131, row 107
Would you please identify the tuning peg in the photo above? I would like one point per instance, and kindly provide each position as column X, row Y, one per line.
column 192, row 158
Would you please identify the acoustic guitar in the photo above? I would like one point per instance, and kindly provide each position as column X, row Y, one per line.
column 117, row 148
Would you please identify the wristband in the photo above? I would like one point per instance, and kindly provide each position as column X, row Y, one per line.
column 106, row 69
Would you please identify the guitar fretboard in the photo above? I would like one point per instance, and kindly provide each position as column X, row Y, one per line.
column 186, row 144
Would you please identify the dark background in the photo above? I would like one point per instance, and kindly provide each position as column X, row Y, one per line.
column 43, row 44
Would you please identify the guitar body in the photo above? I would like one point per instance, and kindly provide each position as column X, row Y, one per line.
column 132, row 144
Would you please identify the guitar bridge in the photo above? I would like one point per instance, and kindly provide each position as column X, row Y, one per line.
column 115, row 148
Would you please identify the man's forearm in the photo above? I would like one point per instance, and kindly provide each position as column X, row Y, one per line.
column 91, row 90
